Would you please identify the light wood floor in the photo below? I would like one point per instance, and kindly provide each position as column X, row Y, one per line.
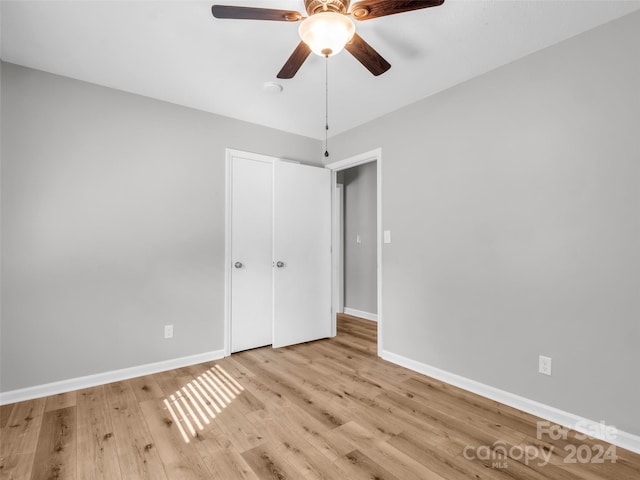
column 328, row 409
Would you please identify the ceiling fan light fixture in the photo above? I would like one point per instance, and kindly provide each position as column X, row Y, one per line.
column 326, row 33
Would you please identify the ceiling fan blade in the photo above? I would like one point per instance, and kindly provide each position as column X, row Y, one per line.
column 295, row 61
column 251, row 13
column 367, row 56
column 368, row 9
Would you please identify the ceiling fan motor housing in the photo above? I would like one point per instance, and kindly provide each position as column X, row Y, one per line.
column 318, row 6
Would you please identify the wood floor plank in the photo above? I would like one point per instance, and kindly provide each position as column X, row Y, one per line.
column 313, row 387
column 444, row 461
column 97, row 452
column 285, row 386
column 241, row 432
column 180, row 460
column 358, row 466
column 394, row 460
column 20, row 434
column 16, row 466
column 233, row 368
column 55, row 455
column 283, row 432
column 265, row 461
column 137, row 453
column 62, row 400
column 440, row 395
column 307, row 460
column 19, row 439
column 262, row 389
column 377, row 417
column 171, row 381
column 146, row 388
column 5, row 413
column 223, row 460
column 308, row 429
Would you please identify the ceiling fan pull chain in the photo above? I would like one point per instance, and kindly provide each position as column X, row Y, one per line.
column 326, row 105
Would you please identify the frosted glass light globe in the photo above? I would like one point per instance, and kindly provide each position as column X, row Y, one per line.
column 326, row 33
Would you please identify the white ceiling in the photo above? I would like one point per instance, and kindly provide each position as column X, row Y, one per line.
column 176, row 51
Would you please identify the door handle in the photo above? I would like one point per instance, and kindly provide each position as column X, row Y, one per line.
column 279, row 264
column 238, row 264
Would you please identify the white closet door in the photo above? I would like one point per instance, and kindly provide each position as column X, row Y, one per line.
column 302, row 252
column 251, row 250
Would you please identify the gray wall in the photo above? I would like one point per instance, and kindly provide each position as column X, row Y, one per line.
column 360, row 217
column 112, row 226
column 513, row 201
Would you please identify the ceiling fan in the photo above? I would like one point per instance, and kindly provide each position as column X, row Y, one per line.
column 329, row 27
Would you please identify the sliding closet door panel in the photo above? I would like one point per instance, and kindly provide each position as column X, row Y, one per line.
column 302, row 253
column 251, row 250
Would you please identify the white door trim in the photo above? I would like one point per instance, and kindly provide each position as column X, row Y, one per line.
column 337, row 246
column 229, row 154
column 366, row 157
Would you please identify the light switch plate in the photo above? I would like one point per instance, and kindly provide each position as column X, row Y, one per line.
column 387, row 236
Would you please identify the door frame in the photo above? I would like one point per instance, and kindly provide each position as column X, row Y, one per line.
column 230, row 153
column 337, row 246
column 360, row 159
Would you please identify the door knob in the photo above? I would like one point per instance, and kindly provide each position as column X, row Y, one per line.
column 238, row 264
column 279, row 264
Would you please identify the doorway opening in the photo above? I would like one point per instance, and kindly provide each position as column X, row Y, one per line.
column 357, row 261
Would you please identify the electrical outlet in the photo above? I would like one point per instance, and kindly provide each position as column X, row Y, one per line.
column 544, row 365
column 168, row 331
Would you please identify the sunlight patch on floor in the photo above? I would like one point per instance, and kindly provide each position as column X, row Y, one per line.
column 194, row 406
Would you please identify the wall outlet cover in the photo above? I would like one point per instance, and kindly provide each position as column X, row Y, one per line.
column 168, row 331
column 544, row 365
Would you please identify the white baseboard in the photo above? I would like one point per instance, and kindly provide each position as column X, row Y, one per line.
column 361, row 314
column 622, row 439
column 78, row 383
